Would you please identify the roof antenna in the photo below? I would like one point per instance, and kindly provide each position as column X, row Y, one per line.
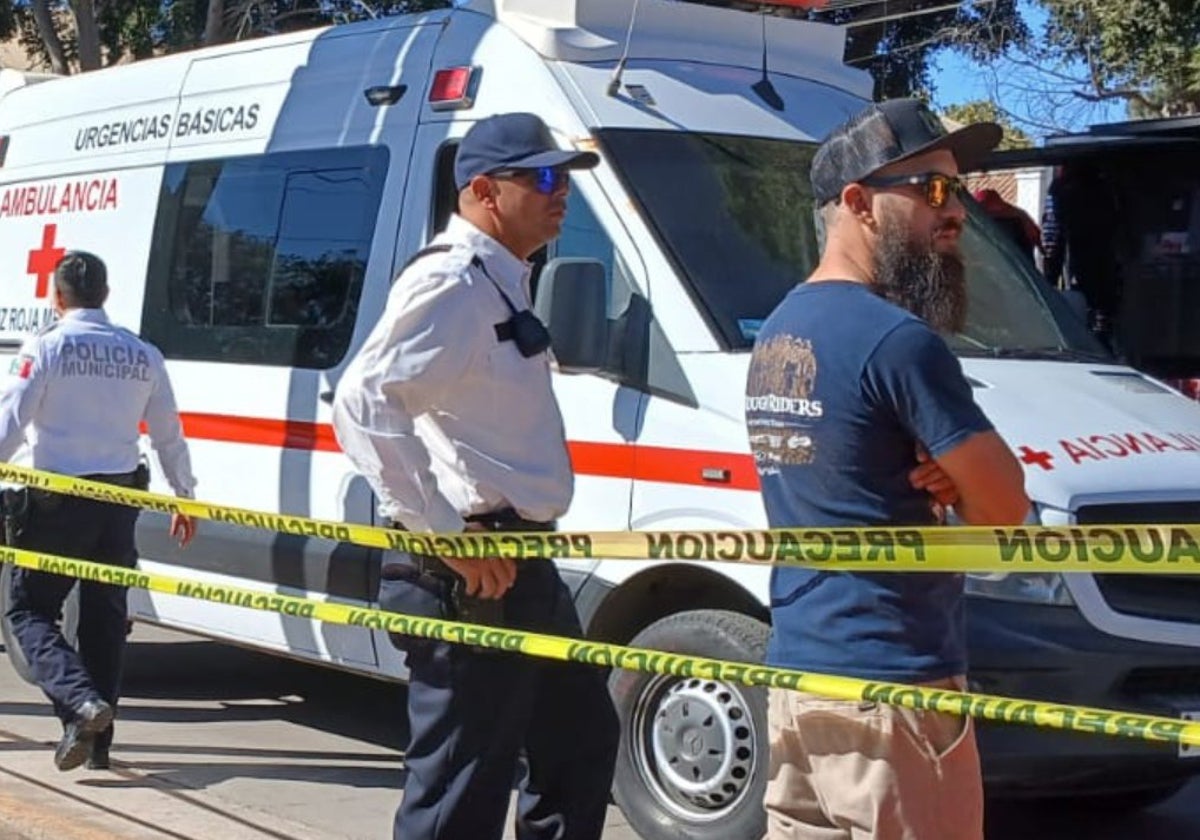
column 763, row 87
column 614, row 84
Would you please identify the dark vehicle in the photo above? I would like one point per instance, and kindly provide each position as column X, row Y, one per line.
column 1125, row 245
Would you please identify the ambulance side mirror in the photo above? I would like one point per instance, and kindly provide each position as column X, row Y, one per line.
column 572, row 301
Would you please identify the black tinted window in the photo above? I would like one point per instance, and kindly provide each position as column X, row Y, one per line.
column 261, row 259
column 735, row 214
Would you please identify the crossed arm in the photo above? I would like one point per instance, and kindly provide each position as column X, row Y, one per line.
column 979, row 478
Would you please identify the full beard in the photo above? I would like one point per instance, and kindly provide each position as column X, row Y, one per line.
column 930, row 284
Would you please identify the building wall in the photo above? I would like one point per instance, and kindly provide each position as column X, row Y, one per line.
column 12, row 55
column 1026, row 188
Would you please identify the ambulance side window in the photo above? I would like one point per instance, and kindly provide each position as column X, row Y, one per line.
column 582, row 236
column 640, row 356
column 261, row 259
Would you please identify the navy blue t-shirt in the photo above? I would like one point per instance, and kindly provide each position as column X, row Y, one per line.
column 842, row 387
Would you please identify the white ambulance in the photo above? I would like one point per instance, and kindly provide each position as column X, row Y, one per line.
column 254, row 201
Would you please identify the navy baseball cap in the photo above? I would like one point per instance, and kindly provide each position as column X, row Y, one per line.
column 886, row 132
column 512, row 141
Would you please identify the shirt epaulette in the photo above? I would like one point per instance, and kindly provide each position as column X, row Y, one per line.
column 444, row 259
column 453, row 261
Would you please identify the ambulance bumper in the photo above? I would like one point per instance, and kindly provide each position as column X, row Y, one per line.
column 1051, row 653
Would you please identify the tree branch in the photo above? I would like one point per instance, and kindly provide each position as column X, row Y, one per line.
column 1103, row 94
column 87, row 34
column 214, row 20
column 44, row 21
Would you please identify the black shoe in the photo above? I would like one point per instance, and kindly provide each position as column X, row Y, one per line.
column 98, row 759
column 79, row 735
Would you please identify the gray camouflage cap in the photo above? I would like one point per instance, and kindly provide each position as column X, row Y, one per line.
column 886, row 132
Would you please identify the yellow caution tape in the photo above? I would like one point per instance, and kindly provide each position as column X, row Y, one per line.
column 985, row 706
column 1128, row 549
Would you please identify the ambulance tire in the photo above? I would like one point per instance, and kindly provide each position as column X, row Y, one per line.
column 693, row 754
column 70, row 624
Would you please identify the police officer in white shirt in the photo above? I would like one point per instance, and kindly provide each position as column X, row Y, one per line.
column 448, row 413
column 77, row 394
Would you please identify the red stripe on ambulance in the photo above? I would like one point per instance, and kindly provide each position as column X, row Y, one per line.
column 733, row 470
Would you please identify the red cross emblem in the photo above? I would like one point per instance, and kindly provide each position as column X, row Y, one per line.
column 43, row 261
column 1037, row 456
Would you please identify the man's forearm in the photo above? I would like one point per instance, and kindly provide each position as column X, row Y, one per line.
column 1007, row 507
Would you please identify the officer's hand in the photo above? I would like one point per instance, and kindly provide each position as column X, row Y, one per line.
column 183, row 528
column 484, row 577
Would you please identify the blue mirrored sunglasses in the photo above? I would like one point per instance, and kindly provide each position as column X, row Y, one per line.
column 546, row 179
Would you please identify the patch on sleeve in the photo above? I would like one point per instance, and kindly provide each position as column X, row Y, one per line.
column 22, row 366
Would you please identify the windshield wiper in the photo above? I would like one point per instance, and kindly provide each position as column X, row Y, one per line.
column 1062, row 354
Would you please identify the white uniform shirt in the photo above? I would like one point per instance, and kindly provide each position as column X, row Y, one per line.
column 442, row 418
column 83, row 386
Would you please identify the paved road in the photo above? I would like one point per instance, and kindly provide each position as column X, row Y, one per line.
column 219, row 742
column 215, row 741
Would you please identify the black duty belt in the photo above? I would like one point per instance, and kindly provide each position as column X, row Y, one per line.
column 505, row 519
column 136, row 478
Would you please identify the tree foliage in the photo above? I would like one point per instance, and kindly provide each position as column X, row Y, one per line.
column 1146, row 52
column 984, row 110
column 895, row 40
column 68, row 36
column 1143, row 52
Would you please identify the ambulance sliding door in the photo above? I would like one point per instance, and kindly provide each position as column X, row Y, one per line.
column 274, row 244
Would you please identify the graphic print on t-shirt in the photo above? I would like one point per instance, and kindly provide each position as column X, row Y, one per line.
column 780, row 409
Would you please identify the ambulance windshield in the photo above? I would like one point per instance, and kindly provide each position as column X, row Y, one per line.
column 735, row 216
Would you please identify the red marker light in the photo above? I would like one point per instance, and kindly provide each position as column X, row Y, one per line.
column 454, row 88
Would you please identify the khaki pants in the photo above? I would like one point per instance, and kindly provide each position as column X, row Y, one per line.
column 849, row 770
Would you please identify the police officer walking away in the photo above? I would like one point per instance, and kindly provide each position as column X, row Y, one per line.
column 84, row 386
column 448, row 412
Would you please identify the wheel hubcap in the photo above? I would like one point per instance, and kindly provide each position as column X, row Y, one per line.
column 701, row 747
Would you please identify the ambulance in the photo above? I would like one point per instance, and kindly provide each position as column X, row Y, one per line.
column 255, row 200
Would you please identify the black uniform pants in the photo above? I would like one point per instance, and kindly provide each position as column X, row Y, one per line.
column 474, row 714
column 89, row 530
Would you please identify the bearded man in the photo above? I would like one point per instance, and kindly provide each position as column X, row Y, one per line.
column 879, row 429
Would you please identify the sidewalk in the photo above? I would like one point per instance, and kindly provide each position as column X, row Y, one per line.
column 37, row 802
column 185, row 768
column 215, row 742
column 9, row 834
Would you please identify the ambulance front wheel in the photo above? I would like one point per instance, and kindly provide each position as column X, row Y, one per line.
column 693, row 756
column 70, row 624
